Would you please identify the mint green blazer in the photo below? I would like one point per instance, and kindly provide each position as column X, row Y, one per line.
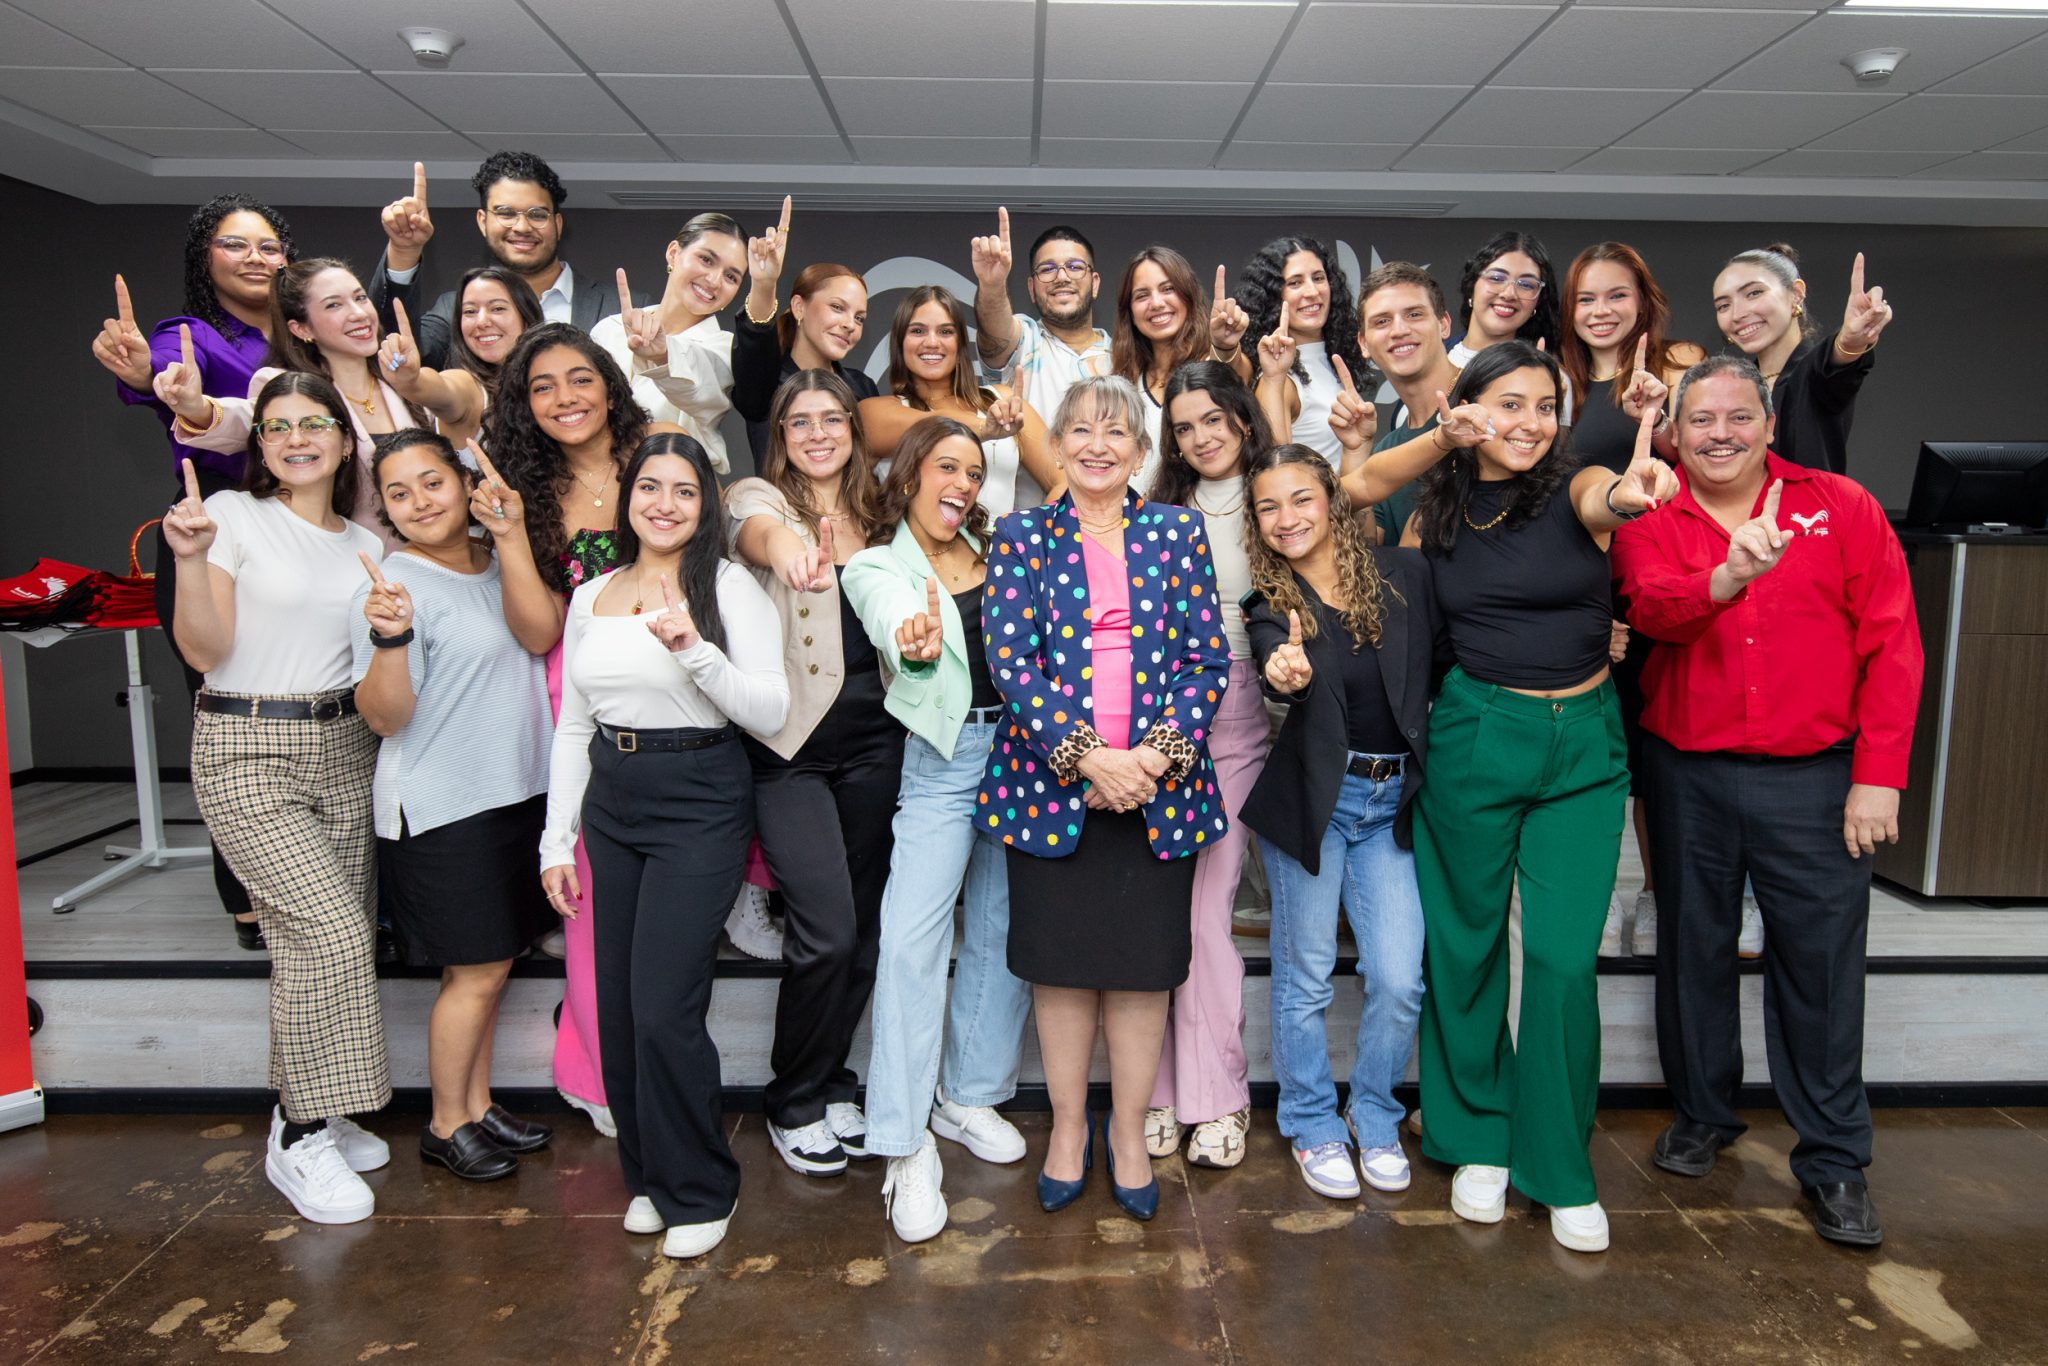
column 886, row 585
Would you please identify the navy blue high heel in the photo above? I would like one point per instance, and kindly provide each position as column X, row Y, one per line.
column 1140, row 1202
column 1054, row 1196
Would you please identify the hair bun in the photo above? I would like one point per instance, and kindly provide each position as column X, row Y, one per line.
column 1785, row 250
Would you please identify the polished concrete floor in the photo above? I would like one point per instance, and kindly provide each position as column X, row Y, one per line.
column 157, row 1239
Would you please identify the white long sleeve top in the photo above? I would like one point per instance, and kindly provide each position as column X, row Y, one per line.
column 693, row 390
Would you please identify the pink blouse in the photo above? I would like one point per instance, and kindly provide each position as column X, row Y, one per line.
column 1109, row 598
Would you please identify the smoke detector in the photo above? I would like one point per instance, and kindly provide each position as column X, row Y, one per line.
column 431, row 46
column 1875, row 66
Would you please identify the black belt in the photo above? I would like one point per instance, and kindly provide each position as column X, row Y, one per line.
column 1374, row 768
column 279, row 708
column 986, row 716
column 666, row 741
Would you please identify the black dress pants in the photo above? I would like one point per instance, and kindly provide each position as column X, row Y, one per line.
column 826, row 819
column 1715, row 818
column 667, row 837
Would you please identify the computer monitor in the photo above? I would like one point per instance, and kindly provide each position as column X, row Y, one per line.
column 1972, row 483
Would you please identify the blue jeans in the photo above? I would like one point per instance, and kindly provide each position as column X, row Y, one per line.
column 1374, row 879
column 983, row 1026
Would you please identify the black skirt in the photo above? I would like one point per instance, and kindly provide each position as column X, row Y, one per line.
column 469, row 891
column 1111, row 916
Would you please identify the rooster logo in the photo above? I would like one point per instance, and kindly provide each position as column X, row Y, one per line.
column 1807, row 524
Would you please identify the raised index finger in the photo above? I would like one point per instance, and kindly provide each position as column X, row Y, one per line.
column 419, row 182
column 376, row 575
column 404, row 323
column 1219, row 295
column 1642, row 350
column 1344, row 376
column 1294, row 628
column 1856, row 276
column 625, row 295
column 483, row 462
column 191, row 481
column 1771, row 501
column 185, row 343
column 931, row 596
column 123, row 309
column 783, row 227
column 1003, row 225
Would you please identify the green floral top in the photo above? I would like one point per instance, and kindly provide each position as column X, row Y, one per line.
column 589, row 554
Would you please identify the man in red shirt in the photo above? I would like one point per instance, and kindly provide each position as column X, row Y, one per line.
column 1779, row 706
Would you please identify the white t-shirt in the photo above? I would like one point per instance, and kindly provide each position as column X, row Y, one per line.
column 1043, row 367
column 295, row 587
column 1221, row 503
column 1149, row 413
column 1312, row 424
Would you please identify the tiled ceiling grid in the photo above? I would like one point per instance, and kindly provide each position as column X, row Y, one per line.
column 1471, row 87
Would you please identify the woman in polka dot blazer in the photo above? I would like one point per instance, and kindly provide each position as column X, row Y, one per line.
column 1105, row 637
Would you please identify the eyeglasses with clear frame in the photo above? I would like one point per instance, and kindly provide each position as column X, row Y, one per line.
column 276, row 431
column 1049, row 271
column 1528, row 286
column 832, row 424
column 539, row 215
column 269, row 249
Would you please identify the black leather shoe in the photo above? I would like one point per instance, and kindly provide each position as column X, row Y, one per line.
column 1842, row 1213
column 1687, row 1149
column 468, row 1152
column 249, row 934
column 513, row 1134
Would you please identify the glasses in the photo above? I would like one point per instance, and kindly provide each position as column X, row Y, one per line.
column 832, row 424
column 538, row 216
column 1528, row 286
column 1052, row 270
column 270, row 251
column 275, row 431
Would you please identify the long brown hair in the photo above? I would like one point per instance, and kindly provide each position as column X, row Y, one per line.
column 1653, row 314
column 1130, row 351
column 857, row 494
column 906, row 477
column 291, row 352
column 809, row 281
column 965, row 387
column 1176, row 480
column 1358, row 574
column 259, row 482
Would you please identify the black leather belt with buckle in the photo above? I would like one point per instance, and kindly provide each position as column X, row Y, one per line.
column 279, row 708
column 986, row 716
column 665, row 741
column 1374, row 769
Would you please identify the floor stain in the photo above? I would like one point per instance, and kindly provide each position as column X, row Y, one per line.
column 1423, row 1218
column 1914, row 1295
column 668, row 1307
column 1760, row 1157
column 504, row 1311
column 172, row 1319
column 264, row 1337
column 1865, row 1324
column 1150, row 1264
column 229, row 1161
column 1314, row 1220
column 278, row 1235
column 865, row 1271
column 512, row 1216
column 1118, row 1229
column 77, row 1328
column 222, row 1131
column 25, row 1234
column 972, row 1210
column 753, row 1266
column 954, row 1258
column 378, row 1349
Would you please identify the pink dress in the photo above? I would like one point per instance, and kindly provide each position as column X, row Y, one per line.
column 1109, row 596
column 577, row 1070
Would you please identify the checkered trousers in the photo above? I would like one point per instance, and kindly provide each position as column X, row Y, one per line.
column 288, row 805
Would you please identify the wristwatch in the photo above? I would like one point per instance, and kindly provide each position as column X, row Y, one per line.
column 392, row 642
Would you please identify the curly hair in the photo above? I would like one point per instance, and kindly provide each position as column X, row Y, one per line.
column 259, row 482
column 1447, row 485
column 1364, row 591
column 520, row 166
column 1176, row 479
column 857, row 492
column 1131, row 352
column 1543, row 319
column 524, row 302
column 405, row 439
column 1653, row 315
column 289, row 351
column 964, row 385
column 704, row 552
column 1265, row 280
column 202, row 300
column 906, row 477
column 531, row 460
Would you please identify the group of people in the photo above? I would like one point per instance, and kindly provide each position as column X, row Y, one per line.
column 1056, row 625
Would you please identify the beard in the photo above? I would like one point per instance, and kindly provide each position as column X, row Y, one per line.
column 521, row 268
column 1080, row 311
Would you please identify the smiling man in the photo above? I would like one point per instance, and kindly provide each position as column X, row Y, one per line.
column 1403, row 324
column 1779, row 708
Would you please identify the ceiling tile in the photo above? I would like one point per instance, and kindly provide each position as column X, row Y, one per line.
column 2022, row 71
column 118, row 97
column 2032, row 142
column 1435, row 156
column 1176, row 153
column 1656, row 161
column 937, row 106
column 1991, row 166
column 1502, row 116
column 1241, row 155
column 1810, row 6
column 714, row 105
column 1141, row 109
column 278, row 99
column 1874, row 165
column 200, row 142
column 29, row 41
column 749, row 148
column 1650, row 47
column 939, row 151
column 188, row 33
column 1386, row 113
column 1730, row 118
column 1373, row 44
column 957, row 37
column 526, row 103
column 1943, row 123
column 1810, row 59
column 1211, row 42
column 495, row 36
column 659, row 37
column 400, row 148
column 580, row 146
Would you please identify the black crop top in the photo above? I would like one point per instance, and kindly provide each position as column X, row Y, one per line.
column 1369, row 725
column 1603, row 435
column 985, row 694
column 1528, row 608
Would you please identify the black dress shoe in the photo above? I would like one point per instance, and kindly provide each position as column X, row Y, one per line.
column 1686, row 1148
column 469, row 1152
column 1842, row 1213
column 249, row 934
column 513, row 1134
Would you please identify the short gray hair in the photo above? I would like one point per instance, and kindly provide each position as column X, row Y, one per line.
column 1739, row 366
column 1103, row 396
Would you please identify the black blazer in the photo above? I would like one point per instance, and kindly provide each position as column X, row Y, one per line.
column 589, row 303
column 1296, row 793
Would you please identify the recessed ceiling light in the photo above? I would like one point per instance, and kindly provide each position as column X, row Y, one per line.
column 1953, row 6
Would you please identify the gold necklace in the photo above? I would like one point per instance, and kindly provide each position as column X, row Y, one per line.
column 639, row 589
column 596, row 494
column 368, row 405
column 1488, row 525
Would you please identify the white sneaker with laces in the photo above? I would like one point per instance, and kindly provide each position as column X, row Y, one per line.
column 912, row 1196
column 1643, row 929
column 809, row 1148
column 1162, row 1131
column 750, row 927
column 694, row 1240
column 1480, row 1193
column 313, row 1175
column 849, row 1126
column 1384, row 1169
column 361, row 1149
column 1614, row 933
column 1220, row 1142
column 642, row 1216
column 555, row 943
column 979, row 1129
column 1328, row 1171
column 1750, row 943
column 600, row 1115
column 1582, row 1228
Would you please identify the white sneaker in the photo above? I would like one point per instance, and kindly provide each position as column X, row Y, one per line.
column 1480, row 1194
column 1384, row 1169
column 361, row 1149
column 750, row 927
column 555, row 943
column 911, row 1194
column 1750, row 943
column 849, row 1126
column 314, row 1177
column 1582, row 1228
column 642, row 1216
column 809, row 1148
column 1327, row 1170
column 1643, row 930
column 694, row 1240
column 979, row 1129
column 1614, row 933
column 1220, row 1142
column 1162, row 1131
column 600, row 1115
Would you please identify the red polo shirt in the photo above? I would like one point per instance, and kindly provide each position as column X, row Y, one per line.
column 1823, row 646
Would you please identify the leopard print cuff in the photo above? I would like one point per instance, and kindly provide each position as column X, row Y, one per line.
column 1067, row 754
column 1181, row 754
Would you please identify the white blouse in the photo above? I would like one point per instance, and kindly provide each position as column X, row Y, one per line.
column 1312, row 424
column 694, row 390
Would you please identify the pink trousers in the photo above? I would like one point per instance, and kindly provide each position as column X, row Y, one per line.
column 577, row 1072
column 1201, row 1063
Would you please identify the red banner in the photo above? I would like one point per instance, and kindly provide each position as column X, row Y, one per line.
column 17, row 1072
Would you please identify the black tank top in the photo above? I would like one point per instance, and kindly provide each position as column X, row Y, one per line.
column 985, row 694
column 1604, row 435
column 1369, row 724
column 1527, row 608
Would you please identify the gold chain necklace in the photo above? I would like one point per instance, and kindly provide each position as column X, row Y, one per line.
column 368, row 405
column 1487, row 525
column 596, row 494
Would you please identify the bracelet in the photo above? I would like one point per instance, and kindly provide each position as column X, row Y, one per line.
column 212, row 417
column 763, row 322
column 1852, row 355
column 1443, row 448
column 403, row 638
column 1615, row 511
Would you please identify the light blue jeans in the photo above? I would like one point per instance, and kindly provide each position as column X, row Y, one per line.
column 983, row 1026
column 1374, row 879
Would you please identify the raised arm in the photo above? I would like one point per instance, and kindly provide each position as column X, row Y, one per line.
column 121, row 347
column 756, row 354
column 885, row 418
column 1606, row 502
column 533, row 610
column 384, row 687
column 453, row 396
column 1383, row 473
column 893, row 614
column 1278, row 398
column 995, row 325
column 204, row 623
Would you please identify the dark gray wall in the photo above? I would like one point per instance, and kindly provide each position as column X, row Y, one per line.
column 81, row 471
